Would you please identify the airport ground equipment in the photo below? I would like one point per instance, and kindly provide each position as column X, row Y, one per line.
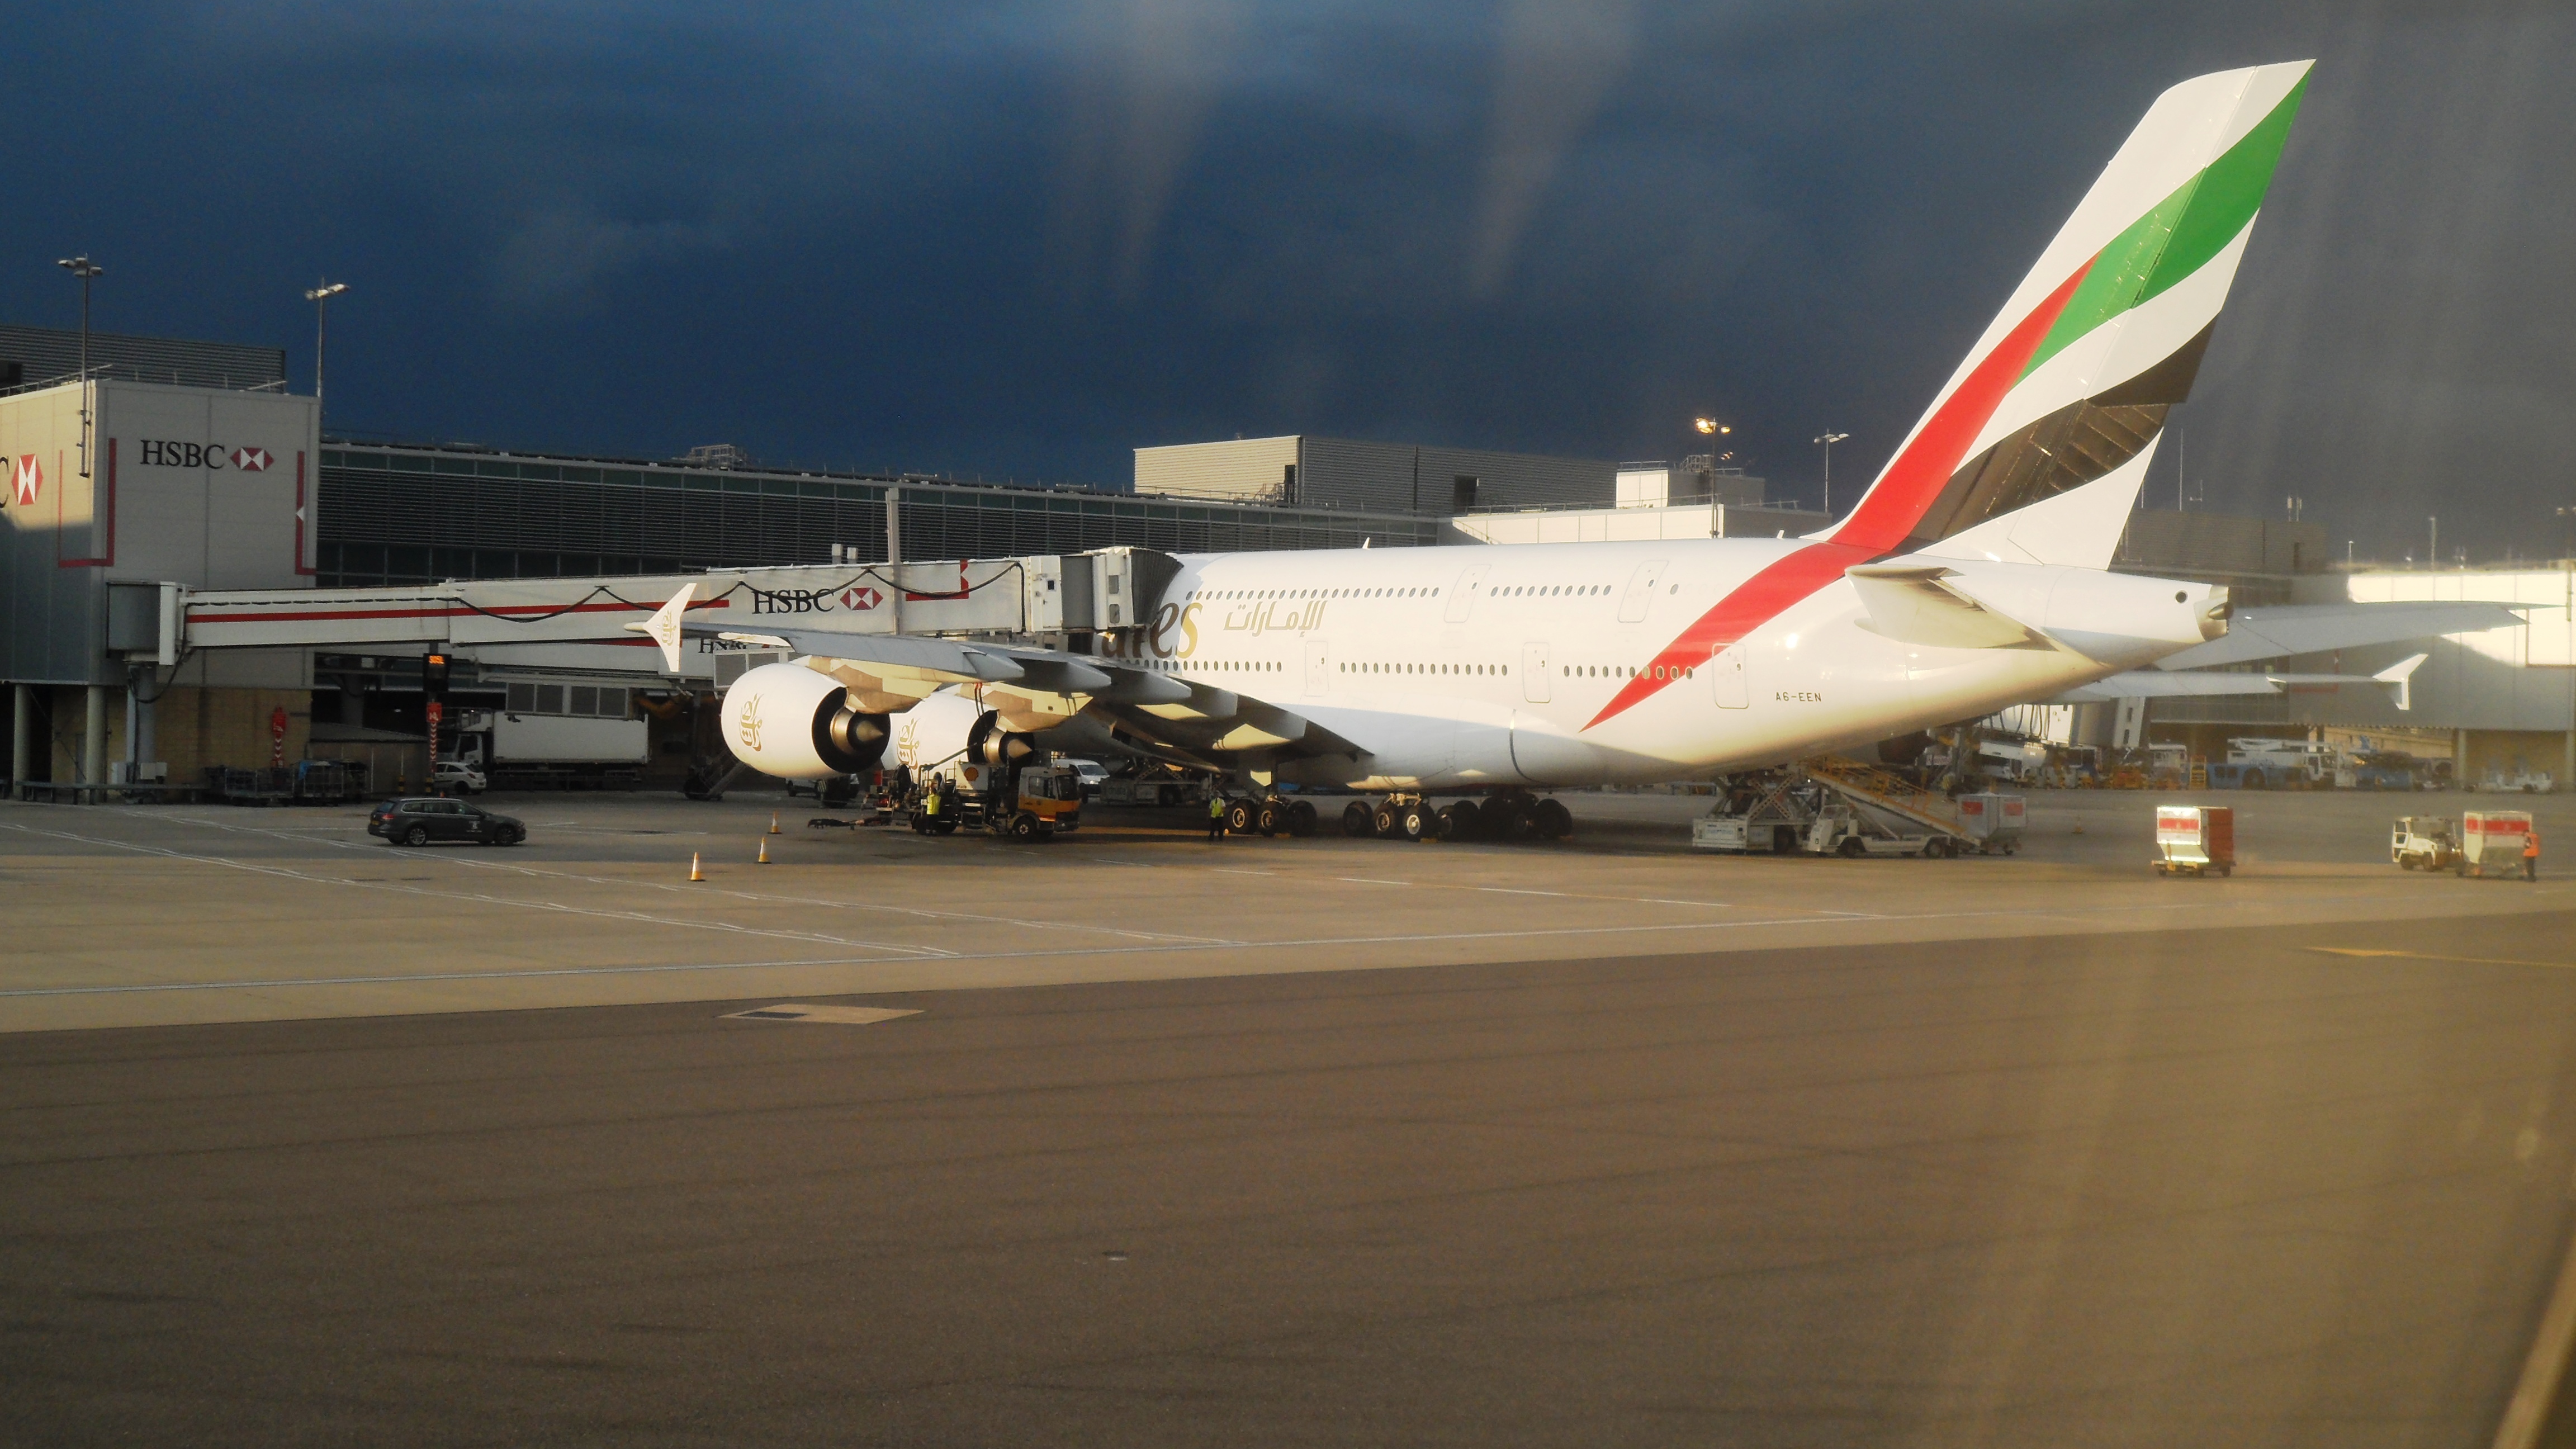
column 1993, row 822
column 1801, row 811
column 1160, row 788
column 1866, row 785
column 2425, row 842
column 2262, row 764
column 514, row 751
column 1021, row 796
column 2195, row 840
column 2491, row 840
column 2518, row 780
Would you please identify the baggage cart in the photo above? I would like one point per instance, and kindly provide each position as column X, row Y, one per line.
column 2195, row 840
column 1993, row 822
column 2491, row 841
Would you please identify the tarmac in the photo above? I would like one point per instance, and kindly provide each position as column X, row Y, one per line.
column 1136, row 1139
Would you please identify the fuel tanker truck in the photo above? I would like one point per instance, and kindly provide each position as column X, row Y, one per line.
column 960, row 766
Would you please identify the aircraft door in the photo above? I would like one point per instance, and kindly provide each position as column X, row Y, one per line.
column 1726, row 669
column 1534, row 671
column 1464, row 593
column 1640, row 594
column 1319, row 666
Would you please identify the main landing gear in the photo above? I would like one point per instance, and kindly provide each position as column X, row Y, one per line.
column 1270, row 815
column 1511, row 815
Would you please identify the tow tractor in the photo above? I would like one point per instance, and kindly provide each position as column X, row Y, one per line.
column 2423, row 842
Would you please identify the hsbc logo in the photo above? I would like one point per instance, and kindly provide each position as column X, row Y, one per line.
column 31, row 480
column 164, row 453
column 861, row 598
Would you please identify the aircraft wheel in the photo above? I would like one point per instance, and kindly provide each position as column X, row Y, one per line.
column 1551, row 819
column 1466, row 821
column 1270, row 819
column 1410, row 822
column 1301, row 819
column 1383, row 823
column 1357, row 821
column 1239, row 817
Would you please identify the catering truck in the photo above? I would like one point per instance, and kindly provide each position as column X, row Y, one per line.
column 518, row 751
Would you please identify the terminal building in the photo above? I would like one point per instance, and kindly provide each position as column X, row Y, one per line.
column 190, row 463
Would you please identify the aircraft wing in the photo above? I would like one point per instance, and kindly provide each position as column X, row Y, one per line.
column 1034, row 688
column 2271, row 631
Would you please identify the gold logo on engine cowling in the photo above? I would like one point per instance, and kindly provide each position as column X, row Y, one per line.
column 749, row 725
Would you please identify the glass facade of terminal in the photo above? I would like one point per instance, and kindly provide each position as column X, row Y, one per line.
column 409, row 515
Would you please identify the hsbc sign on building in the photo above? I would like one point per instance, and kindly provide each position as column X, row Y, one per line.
column 212, row 488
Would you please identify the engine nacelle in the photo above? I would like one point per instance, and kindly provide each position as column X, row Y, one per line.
column 797, row 723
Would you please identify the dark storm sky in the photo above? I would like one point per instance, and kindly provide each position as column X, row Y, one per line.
column 1023, row 239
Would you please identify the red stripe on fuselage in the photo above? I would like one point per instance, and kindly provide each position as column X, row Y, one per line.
column 1882, row 522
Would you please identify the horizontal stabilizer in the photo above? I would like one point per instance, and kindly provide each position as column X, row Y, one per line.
column 2273, row 631
column 2197, row 684
column 1913, row 604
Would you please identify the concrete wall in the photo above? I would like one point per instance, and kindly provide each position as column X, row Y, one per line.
column 1620, row 525
column 1381, row 477
column 1246, row 468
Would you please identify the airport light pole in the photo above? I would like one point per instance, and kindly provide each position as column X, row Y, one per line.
column 88, row 271
column 320, row 295
column 1829, row 440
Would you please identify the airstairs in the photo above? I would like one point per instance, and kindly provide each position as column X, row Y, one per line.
column 1878, row 789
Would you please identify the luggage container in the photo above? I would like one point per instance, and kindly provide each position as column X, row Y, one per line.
column 1993, row 822
column 2492, row 840
column 2195, row 839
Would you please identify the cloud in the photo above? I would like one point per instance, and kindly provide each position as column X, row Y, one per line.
column 561, row 255
column 1557, row 63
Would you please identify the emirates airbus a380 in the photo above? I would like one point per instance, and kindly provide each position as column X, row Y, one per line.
column 1972, row 576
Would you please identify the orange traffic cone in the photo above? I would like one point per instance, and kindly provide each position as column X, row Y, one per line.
column 773, row 822
column 694, row 872
column 764, row 851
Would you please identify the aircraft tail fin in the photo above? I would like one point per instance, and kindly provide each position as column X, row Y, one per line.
column 664, row 627
column 2034, row 450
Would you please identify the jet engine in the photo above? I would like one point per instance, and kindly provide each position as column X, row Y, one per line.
column 796, row 723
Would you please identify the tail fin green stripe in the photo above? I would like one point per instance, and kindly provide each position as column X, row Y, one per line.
column 2179, row 235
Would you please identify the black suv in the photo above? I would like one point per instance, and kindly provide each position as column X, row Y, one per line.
column 422, row 819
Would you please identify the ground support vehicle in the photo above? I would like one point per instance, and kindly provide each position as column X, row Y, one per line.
column 991, row 787
column 2425, row 842
column 420, row 820
column 550, row 752
column 2195, row 840
column 2491, row 842
column 2517, row 781
column 1797, row 812
column 268, row 785
column 1993, row 823
column 1160, row 789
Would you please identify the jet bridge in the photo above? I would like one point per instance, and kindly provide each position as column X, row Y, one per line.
column 580, row 623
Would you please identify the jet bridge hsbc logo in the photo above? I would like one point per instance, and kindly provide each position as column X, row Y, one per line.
column 31, row 480
column 166, row 453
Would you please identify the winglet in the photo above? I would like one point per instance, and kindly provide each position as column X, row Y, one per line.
column 2400, row 674
column 664, row 627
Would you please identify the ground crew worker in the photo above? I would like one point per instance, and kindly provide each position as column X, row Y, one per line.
column 2531, row 855
column 1216, row 817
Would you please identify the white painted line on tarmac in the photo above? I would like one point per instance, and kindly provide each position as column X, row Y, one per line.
column 1509, row 891
column 700, row 889
column 967, row 957
column 557, row 907
column 1371, row 880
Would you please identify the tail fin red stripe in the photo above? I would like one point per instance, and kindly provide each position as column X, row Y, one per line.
column 1887, row 516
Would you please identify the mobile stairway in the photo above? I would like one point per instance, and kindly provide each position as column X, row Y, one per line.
column 1832, row 805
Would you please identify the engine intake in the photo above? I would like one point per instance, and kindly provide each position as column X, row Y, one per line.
column 797, row 724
